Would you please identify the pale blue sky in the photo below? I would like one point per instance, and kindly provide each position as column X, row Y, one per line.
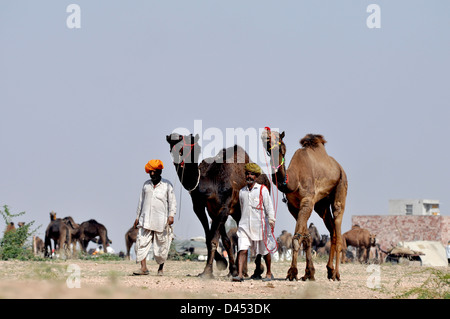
column 83, row 110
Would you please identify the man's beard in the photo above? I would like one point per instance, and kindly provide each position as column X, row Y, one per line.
column 250, row 180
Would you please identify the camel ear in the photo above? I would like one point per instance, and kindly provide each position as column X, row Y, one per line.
column 196, row 138
column 282, row 135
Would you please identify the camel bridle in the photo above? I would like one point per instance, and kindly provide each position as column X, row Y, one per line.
column 182, row 162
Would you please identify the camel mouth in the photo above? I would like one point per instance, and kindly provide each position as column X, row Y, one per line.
column 266, row 141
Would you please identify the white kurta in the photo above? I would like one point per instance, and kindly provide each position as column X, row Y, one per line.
column 155, row 206
column 251, row 219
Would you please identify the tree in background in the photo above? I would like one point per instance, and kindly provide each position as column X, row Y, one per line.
column 15, row 243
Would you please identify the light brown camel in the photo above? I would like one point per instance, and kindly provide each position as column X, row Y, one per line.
column 38, row 246
column 9, row 228
column 362, row 239
column 130, row 239
column 313, row 180
column 57, row 231
column 284, row 243
column 214, row 185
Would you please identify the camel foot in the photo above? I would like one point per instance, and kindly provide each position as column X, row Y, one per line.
column 292, row 274
column 333, row 275
column 257, row 274
column 233, row 271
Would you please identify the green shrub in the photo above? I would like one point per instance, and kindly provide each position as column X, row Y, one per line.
column 436, row 286
column 14, row 244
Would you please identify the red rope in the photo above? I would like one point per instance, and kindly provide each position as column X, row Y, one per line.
column 264, row 225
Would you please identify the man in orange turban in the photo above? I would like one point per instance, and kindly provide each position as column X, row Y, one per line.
column 153, row 164
column 154, row 217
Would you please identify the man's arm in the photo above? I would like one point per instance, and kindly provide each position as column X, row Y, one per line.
column 172, row 203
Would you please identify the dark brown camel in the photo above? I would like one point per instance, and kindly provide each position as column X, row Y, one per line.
column 313, row 181
column 74, row 230
column 362, row 240
column 130, row 239
column 317, row 240
column 57, row 231
column 214, row 185
column 91, row 229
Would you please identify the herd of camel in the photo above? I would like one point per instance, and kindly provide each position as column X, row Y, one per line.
column 362, row 240
column 312, row 181
column 65, row 233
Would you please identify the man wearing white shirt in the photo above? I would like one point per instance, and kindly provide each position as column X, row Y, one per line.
column 154, row 217
column 256, row 209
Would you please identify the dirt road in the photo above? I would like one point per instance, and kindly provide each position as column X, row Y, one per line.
column 112, row 279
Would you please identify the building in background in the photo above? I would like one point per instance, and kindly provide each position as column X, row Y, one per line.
column 408, row 220
column 416, row 207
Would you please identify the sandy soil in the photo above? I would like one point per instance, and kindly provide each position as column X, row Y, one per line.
column 114, row 279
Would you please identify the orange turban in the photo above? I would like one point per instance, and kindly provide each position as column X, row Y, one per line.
column 153, row 164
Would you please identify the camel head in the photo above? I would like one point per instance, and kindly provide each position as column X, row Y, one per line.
column 273, row 144
column 184, row 148
column 52, row 216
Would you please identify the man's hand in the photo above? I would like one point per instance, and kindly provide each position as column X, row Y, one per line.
column 170, row 221
column 135, row 223
column 272, row 224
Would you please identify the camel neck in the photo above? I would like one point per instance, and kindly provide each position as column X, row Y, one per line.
column 189, row 175
column 281, row 178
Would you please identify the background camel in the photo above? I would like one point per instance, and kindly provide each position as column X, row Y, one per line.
column 10, row 227
column 284, row 244
column 317, row 240
column 57, row 231
column 313, row 181
column 214, row 186
column 38, row 246
column 74, row 231
column 130, row 239
column 362, row 240
column 90, row 229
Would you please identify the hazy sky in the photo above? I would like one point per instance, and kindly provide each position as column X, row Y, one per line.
column 82, row 110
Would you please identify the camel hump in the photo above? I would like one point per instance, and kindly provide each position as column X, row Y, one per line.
column 312, row 140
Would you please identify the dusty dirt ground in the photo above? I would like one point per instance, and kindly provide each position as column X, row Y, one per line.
column 114, row 280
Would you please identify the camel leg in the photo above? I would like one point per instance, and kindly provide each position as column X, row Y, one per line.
column 69, row 240
column 309, row 270
column 214, row 235
column 338, row 208
column 323, row 209
column 259, row 268
column 301, row 233
column 47, row 245
column 229, row 249
column 201, row 215
column 104, row 237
